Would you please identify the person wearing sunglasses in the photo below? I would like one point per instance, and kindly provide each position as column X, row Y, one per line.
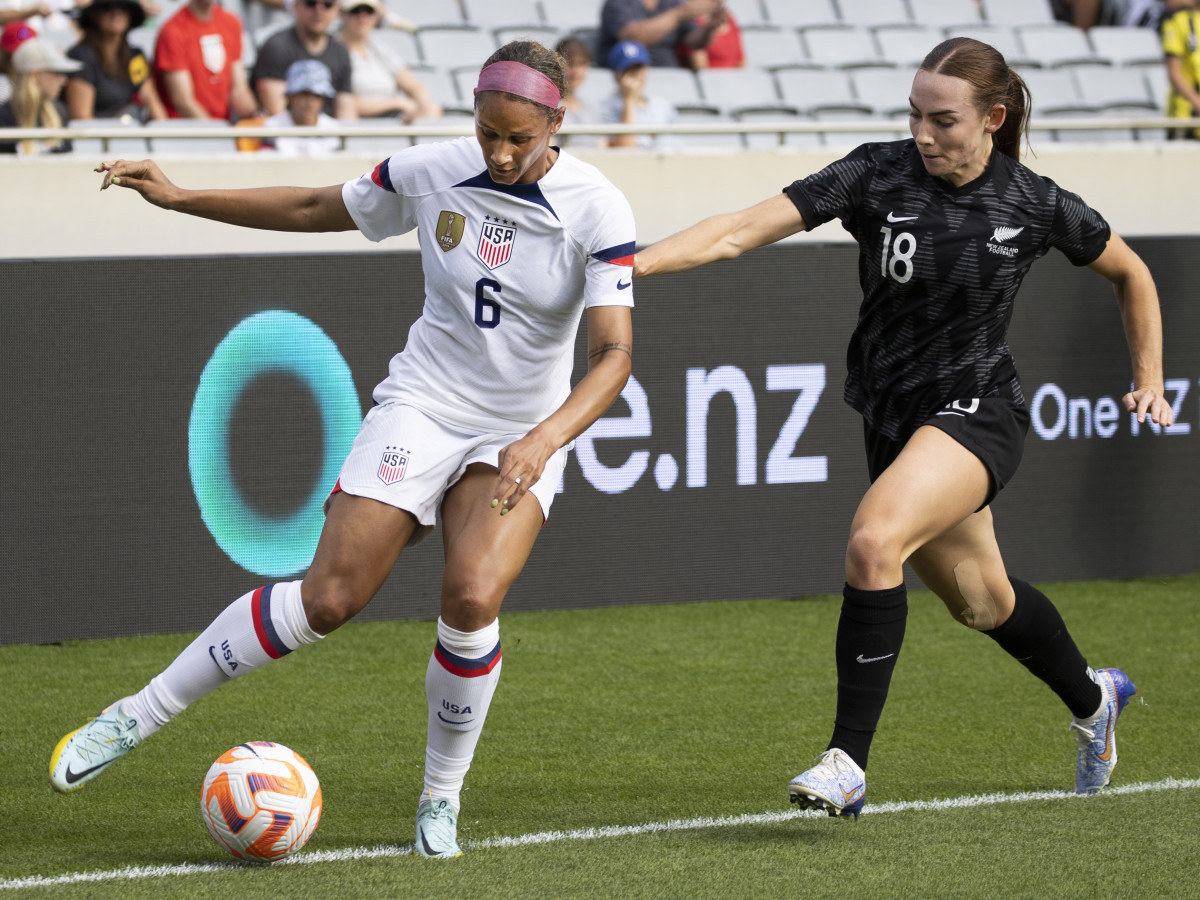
column 382, row 83
column 308, row 38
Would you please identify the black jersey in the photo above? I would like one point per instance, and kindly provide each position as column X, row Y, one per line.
column 939, row 267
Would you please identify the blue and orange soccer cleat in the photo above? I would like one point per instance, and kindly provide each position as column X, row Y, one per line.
column 1096, row 736
column 86, row 752
column 835, row 784
column 437, row 830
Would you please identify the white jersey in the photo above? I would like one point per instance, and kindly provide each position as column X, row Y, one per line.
column 508, row 271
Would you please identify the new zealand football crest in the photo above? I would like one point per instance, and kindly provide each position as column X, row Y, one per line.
column 393, row 464
column 496, row 241
column 450, row 229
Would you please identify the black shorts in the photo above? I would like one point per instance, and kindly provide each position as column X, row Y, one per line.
column 992, row 428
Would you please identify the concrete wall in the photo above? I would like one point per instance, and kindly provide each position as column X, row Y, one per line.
column 52, row 208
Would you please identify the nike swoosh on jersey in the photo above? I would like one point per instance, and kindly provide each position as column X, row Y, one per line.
column 892, row 217
column 621, row 287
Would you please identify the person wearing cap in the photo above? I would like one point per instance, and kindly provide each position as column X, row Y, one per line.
column 660, row 25
column 309, row 85
column 40, row 73
column 382, row 83
column 198, row 64
column 13, row 35
column 114, row 78
column 630, row 104
column 308, row 38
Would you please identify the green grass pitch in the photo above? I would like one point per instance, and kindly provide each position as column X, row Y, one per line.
column 696, row 714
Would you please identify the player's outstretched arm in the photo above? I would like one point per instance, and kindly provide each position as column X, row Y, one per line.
column 721, row 237
column 270, row 208
column 610, row 360
column 1138, row 300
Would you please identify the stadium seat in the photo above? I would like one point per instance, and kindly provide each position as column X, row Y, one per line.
column 424, row 13
column 132, row 147
column 885, row 91
column 571, row 15
column 1018, row 12
column 455, row 47
column 768, row 48
column 874, row 13
column 730, row 90
column 542, row 34
column 145, row 37
column 841, row 46
column 193, row 145
column 747, row 13
column 1089, row 136
column 770, row 140
column 945, row 13
column 451, row 117
column 493, row 14
column 444, row 87
column 1052, row 89
column 1001, row 37
column 800, row 13
column 1106, row 87
column 404, row 43
column 849, row 139
column 1125, row 46
column 384, row 144
column 677, row 86
column 1156, row 80
column 809, row 88
column 1051, row 46
column 907, row 47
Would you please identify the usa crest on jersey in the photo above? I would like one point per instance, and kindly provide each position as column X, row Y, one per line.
column 393, row 464
column 496, row 241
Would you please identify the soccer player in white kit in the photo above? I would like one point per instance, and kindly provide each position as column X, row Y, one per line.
column 517, row 240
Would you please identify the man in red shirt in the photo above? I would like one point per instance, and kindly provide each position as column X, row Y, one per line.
column 198, row 64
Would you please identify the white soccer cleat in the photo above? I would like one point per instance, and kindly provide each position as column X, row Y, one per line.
column 437, row 830
column 1096, row 736
column 835, row 784
column 86, row 752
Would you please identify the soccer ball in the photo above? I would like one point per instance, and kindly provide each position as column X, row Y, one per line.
column 261, row 801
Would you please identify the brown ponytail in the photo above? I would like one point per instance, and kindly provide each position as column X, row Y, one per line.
column 983, row 67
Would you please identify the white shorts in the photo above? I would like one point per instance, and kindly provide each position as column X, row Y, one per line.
column 409, row 460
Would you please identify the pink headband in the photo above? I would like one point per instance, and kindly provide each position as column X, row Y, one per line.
column 520, row 80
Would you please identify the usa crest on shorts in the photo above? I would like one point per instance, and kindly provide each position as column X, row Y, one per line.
column 496, row 241
column 393, row 464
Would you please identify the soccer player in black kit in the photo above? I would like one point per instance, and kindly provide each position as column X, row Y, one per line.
column 947, row 225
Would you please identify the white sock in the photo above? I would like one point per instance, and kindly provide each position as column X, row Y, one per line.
column 459, row 685
column 258, row 627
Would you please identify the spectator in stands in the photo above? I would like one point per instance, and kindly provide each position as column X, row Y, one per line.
column 198, row 64
column 15, row 33
column 114, row 80
column 308, row 86
column 40, row 73
column 724, row 51
column 580, row 110
column 661, row 25
column 630, row 105
column 308, row 38
column 1126, row 13
column 382, row 82
column 1180, row 45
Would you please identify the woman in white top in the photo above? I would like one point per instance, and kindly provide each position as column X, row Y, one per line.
column 380, row 80
column 518, row 241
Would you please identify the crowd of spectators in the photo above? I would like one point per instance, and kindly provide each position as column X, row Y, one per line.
column 199, row 66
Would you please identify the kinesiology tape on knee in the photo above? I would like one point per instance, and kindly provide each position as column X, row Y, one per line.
column 980, row 610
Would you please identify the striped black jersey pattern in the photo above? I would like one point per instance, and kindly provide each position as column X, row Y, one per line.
column 939, row 268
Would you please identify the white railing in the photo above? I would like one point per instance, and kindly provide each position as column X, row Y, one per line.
column 362, row 128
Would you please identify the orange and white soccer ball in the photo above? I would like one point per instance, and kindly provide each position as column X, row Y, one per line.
column 261, row 801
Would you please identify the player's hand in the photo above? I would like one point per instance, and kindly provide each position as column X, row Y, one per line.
column 143, row 177
column 521, row 465
column 1149, row 403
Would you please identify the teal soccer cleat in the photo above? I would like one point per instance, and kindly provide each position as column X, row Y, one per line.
column 437, row 830
column 86, row 752
column 835, row 784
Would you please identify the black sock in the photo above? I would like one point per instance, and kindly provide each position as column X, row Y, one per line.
column 870, row 632
column 1036, row 636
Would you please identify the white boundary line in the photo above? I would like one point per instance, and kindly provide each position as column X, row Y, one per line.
column 131, row 873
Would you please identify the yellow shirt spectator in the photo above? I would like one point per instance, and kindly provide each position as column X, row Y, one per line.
column 1179, row 42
